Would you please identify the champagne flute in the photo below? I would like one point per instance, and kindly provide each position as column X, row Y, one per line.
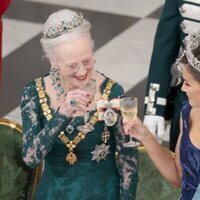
column 90, row 87
column 129, row 109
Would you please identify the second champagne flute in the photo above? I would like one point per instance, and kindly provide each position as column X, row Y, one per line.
column 129, row 110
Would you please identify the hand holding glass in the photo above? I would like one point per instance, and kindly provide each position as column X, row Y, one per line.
column 129, row 109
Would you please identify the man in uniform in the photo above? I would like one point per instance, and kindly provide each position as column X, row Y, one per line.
column 178, row 18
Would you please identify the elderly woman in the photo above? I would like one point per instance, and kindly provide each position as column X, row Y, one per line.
column 81, row 150
column 183, row 169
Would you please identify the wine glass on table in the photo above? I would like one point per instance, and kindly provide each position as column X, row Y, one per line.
column 129, row 110
column 90, row 88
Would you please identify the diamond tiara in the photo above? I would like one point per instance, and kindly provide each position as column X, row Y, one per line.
column 192, row 42
column 64, row 26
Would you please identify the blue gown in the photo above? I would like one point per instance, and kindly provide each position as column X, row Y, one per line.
column 111, row 179
column 190, row 158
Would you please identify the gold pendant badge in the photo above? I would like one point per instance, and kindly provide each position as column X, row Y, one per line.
column 71, row 158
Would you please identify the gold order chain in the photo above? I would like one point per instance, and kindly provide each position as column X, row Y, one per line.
column 71, row 157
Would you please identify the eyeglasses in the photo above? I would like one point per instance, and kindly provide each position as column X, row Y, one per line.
column 86, row 63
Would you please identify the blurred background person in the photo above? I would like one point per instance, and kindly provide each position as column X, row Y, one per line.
column 3, row 6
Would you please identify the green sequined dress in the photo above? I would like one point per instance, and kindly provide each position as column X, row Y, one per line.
column 114, row 178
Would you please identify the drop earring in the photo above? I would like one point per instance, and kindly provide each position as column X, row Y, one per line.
column 56, row 82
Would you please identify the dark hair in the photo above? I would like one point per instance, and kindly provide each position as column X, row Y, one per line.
column 194, row 72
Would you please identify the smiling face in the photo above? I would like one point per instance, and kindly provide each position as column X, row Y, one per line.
column 191, row 87
column 75, row 61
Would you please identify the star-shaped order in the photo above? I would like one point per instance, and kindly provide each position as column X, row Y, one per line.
column 100, row 152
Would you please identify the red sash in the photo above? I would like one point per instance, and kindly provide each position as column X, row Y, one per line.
column 3, row 6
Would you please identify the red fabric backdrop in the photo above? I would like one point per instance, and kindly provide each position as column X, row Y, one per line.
column 3, row 6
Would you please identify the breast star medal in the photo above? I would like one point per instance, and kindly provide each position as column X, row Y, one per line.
column 100, row 152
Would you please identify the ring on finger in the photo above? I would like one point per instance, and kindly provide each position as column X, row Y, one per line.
column 130, row 129
column 72, row 102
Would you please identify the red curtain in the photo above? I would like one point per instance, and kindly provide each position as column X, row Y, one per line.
column 3, row 6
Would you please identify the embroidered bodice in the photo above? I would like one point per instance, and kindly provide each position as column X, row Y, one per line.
column 190, row 158
column 110, row 179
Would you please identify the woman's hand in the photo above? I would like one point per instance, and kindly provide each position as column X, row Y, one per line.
column 75, row 103
column 136, row 129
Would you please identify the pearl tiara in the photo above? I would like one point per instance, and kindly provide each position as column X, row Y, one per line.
column 64, row 26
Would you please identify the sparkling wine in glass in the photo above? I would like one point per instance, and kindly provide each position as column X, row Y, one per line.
column 129, row 110
column 90, row 88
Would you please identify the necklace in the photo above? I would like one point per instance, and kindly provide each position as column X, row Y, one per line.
column 71, row 157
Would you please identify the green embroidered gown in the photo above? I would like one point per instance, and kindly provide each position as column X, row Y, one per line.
column 114, row 178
